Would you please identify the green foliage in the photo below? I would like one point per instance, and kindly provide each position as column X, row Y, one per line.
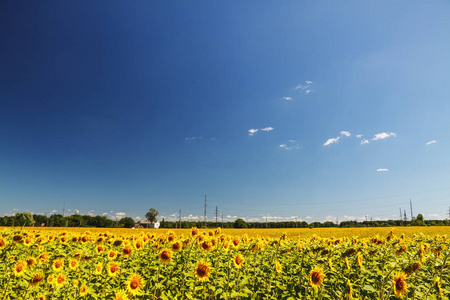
column 240, row 223
column 24, row 219
column 127, row 222
column 151, row 215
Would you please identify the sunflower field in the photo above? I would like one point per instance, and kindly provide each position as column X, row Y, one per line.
column 209, row 264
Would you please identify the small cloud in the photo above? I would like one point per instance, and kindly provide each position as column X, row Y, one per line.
column 308, row 82
column 193, row 138
column 336, row 139
column 382, row 170
column 77, row 211
column 291, row 145
column 431, row 142
column 383, row 135
column 252, row 131
column 364, row 141
column 346, row 133
column 120, row 215
column 104, row 214
column 54, row 211
column 331, row 141
column 308, row 91
column 359, row 136
column 138, row 218
column 287, row 98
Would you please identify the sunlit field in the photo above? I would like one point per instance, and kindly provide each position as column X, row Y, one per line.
column 323, row 263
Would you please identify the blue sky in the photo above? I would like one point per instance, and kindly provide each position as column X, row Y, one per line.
column 279, row 109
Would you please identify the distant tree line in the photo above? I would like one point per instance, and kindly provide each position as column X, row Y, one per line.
column 58, row 220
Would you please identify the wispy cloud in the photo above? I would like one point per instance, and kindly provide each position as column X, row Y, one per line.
column 364, row 141
column 383, row 135
column 359, row 136
column 431, row 142
column 305, row 86
column 253, row 130
column 336, row 139
column 382, row 170
column 290, row 145
column 287, row 98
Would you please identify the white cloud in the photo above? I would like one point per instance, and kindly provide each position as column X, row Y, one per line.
column 291, row 145
column 336, row 139
column 308, row 82
column 287, row 98
column 252, row 131
column 138, row 218
column 120, row 215
column 431, row 142
column 331, row 141
column 359, row 136
column 193, row 138
column 53, row 211
column 308, row 91
column 104, row 214
column 382, row 170
column 77, row 211
column 383, row 135
column 364, row 141
column 305, row 86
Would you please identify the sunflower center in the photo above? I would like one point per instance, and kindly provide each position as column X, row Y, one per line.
column 315, row 277
column 399, row 285
column 134, row 284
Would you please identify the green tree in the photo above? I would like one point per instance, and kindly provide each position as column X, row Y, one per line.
column 24, row 219
column 151, row 215
column 126, row 222
column 419, row 220
column 240, row 223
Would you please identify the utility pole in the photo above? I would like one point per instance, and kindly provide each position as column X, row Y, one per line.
column 404, row 216
column 337, row 222
column 204, row 220
column 410, row 203
column 216, row 215
column 366, row 218
column 400, row 213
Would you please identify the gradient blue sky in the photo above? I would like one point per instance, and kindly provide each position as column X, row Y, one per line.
column 116, row 107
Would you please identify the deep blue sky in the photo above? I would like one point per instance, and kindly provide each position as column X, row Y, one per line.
column 116, row 107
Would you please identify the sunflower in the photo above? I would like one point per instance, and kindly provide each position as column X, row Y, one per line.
column 30, row 261
column 165, row 256
column 202, row 270
column 127, row 251
column 112, row 255
column 412, row 268
column 28, row 242
column 51, row 279
column 350, row 289
column 36, row 279
column 139, row 244
column 438, row 286
column 278, row 267
column 236, row 242
column 58, row 265
column 44, row 257
column 41, row 297
column 238, row 260
column 121, row 295
column 177, row 246
column 61, row 280
column 359, row 259
column 134, row 284
column 98, row 269
column 2, row 243
column 73, row 264
column 113, row 269
column 20, row 268
column 399, row 284
column 316, row 277
column 206, row 245
column 194, row 231
column 84, row 291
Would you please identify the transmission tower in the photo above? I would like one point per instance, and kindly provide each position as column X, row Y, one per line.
column 405, row 218
column 410, row 203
